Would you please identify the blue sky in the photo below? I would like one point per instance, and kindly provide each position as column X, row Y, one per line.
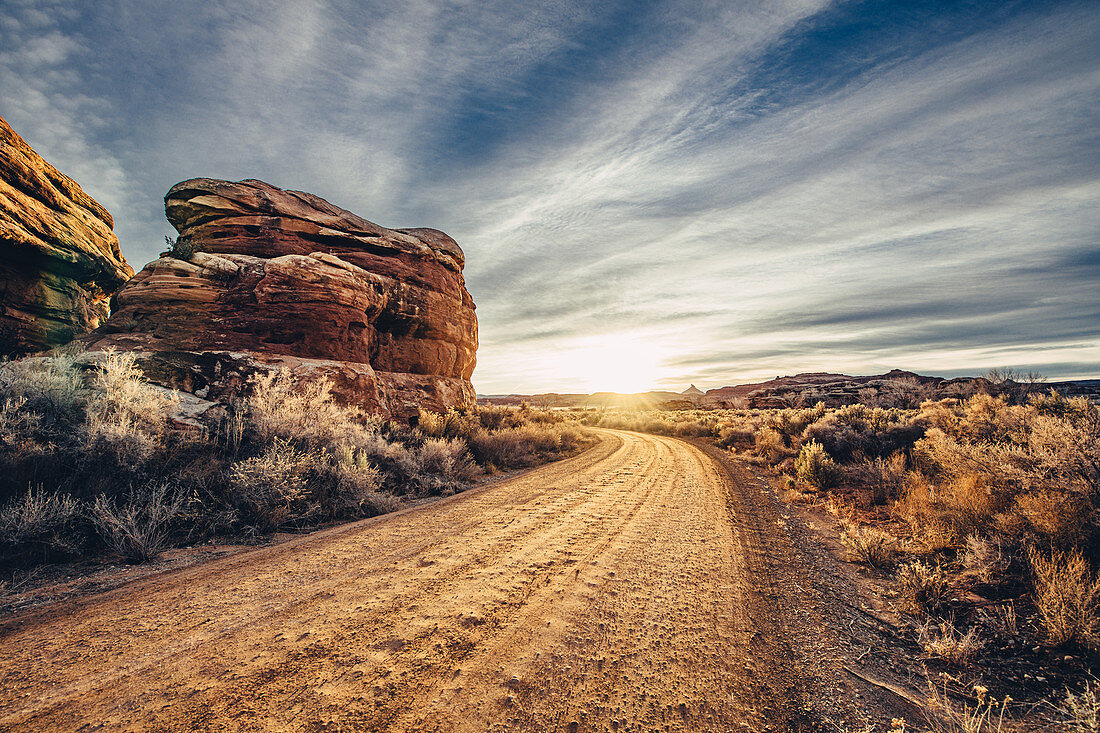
column 708, row 192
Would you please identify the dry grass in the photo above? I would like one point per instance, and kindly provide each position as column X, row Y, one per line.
column 922, row 587
column 1002, row 620
column 870, row 545
column 1079, row 711
column 987, row 716
column 943, row 641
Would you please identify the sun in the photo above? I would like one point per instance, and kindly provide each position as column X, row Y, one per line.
column 612, row 363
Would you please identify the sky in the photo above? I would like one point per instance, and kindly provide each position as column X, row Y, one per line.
column 649, row 193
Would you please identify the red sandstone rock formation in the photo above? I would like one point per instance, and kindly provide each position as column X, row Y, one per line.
column 59, row 258
column 284, row 278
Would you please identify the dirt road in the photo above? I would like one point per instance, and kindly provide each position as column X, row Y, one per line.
column 624, row 589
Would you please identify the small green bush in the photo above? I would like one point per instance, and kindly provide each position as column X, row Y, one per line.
column 815, row 467
column 182, row 248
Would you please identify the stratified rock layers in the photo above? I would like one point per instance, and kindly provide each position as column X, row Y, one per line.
column 59, row 257
column 286, row 279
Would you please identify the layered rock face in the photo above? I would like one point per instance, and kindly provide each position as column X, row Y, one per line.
column 285, row 279
column 59, row 257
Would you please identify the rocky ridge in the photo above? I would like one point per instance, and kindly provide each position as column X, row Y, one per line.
column 59, row 257
column 896, row 388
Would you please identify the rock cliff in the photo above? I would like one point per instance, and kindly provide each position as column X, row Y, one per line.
column 59, row 256
column 263, row 277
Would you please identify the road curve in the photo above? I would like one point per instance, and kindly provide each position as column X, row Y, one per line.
column 613, row 591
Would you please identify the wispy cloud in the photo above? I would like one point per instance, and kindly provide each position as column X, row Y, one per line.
column 753, row 188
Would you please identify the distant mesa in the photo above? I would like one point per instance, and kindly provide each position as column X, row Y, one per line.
column 59, row 257
column 894, row 388
column 262, row 278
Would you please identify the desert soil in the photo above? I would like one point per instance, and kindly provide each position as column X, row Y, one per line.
column 642, row 585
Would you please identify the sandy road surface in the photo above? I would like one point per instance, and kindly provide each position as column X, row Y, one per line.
column 614, row 591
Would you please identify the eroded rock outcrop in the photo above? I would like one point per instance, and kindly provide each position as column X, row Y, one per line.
column 285, row 279
column 59, row 257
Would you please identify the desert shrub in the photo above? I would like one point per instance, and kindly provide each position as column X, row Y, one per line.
column 17, row 424
column 935, row 538
column 441, row 463
column 512, row 447
column 272, row 489
column 40, row 521
column 182, row 248
column 922, row 587
column 396, row 462
column 968, row 503
column 681, row 423
column 960, row 507
column 1052, row 403
column 51, row 388
column 1065, row 450
column 454, row 424
column 815, row 467
column 286, row 455
column 1019, row 473
column 988, row 418
column 870, row 545
column 22, row 441
column 699, row 427
column 770, row 444
column 139, row 528
column 349, row 485
column 736, row 437
column 943, row 641
column 279, row 406
column 902, row 392
column 126, row 418
column 496, row 417
column 1067, row 597
column 431, row 423
column 984, row 559
column 571, row 438
column 884, row 477
column 857, row 431
column 791, row 422
column 1054, row 517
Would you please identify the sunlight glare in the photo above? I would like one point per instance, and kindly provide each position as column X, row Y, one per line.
column 625, row 363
